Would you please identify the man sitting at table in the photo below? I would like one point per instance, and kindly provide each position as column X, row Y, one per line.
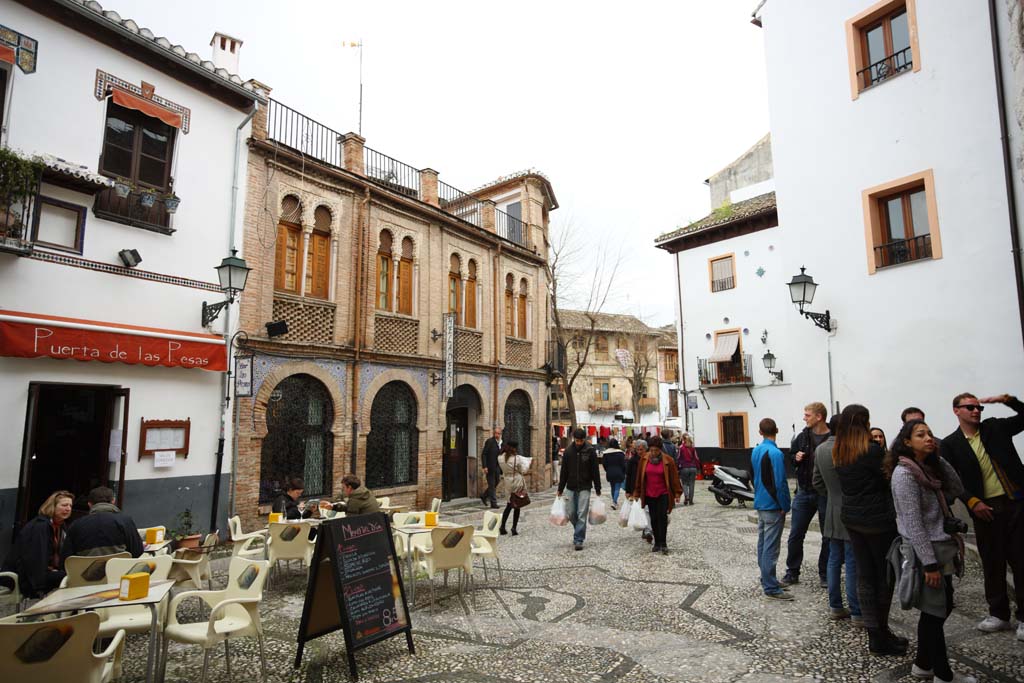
column 106, row 530
column 359, row 500
column 287, row 503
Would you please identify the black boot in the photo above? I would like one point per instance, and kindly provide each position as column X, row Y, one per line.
column 502, row 531
column 897, row 642
column 879, row 643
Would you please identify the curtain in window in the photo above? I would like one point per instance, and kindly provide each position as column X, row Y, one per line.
column 721, row 269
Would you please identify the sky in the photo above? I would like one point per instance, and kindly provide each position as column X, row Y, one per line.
column 626, row 108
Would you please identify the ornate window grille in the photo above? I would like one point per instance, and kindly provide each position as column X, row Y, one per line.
column 517, row 420
column 392, row 446
column 299, row 442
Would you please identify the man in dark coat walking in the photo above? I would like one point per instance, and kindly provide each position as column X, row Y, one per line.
column 579, row 474
column 492, row 471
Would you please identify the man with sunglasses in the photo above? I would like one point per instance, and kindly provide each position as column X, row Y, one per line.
column 983, row 454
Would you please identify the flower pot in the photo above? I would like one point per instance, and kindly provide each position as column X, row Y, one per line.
column 147, row 199
column 188, row 541
column 122, row 189
column 172, row 203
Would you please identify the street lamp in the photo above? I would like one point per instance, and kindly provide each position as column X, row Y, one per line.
column 232, row 273
column 769, row 364
column 801, row 291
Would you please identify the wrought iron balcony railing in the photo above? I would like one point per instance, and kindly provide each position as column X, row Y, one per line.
column 458, row 203
column 134, row 209
column 729, row 373
column 391, row 173
column 723, row 284
column 510, row 227
column 894, row 64
column 902, row 251
column 16, row 217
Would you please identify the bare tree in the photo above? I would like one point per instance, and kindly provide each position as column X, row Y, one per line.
column 637, row 365
column 580, row 277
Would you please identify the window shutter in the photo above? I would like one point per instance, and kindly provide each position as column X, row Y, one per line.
column 522, row 316
column 405, row 287
column 470, row 314
column 318, row 279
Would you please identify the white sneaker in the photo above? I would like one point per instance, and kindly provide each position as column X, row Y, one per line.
column 1020, row 631
column 918, row 672
column 992, row 624
column 957, row 678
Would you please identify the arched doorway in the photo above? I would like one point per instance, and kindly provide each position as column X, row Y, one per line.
column 459, row 439
column 517, row 420
column 392, row 446
column 299, row 442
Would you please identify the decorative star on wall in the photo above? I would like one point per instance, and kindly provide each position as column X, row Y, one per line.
column 760, row 272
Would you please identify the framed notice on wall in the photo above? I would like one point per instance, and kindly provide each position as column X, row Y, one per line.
column 164, row 435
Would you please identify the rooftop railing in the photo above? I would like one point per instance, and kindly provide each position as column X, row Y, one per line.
column 303, row 134
column 510, row 227
column 391, row 173
column 458, row 203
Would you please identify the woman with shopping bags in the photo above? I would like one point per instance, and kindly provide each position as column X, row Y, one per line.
column 657, row 486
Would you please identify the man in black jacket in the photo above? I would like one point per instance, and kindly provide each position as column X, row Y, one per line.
column 579, row 473
column 106, row 530
column 492, row 471
column 806, row 502
column 983, row 455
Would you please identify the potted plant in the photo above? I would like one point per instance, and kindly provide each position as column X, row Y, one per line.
column 183, row 534
column 19, row 179
column 147, row 198
column 122, row 187
column 171, row 201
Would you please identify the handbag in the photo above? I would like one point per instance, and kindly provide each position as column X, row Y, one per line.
column 519, row 499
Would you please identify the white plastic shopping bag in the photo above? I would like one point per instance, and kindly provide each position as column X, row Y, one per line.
column 638, row 517
column 558, row 517
column 598, row 512
column 627, row 505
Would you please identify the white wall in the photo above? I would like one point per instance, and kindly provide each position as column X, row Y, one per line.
column 921, row 332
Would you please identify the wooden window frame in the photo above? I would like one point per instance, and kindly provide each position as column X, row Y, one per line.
column 319, row 285
column 469, row 315
column 384, row 260
column 510, row 313
column 721, row 429
column 599, row 352
column 599, row 384
column 281, row 258
column 856, row 28
column 711, row 272
column 79, row 228
column 455, row 296
column 140, row 120
column 404, row 303
column 874, row 222
column 522, row 321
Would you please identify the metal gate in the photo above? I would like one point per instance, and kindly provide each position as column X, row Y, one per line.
column 392, row 445
column 517, row 420
column 299, row 442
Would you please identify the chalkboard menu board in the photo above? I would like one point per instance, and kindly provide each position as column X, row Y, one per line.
column 355, row 585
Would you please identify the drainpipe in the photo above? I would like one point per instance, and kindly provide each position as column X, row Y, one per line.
column 497, row 329
column 363, row 221
column 1011, row 198
column 226, row 387
column 681, row 346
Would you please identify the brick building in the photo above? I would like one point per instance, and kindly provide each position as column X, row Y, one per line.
column 362, row 256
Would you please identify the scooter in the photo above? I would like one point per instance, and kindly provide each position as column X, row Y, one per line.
column 730, row 483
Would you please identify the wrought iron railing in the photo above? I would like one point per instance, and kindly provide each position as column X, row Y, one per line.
column 458, row 203
column 888, row 67
column 510, row 227
column 303, row 134
column 16, row 217
column 391, row 173
column 723, row 284
column 133, row 210
column 902, row 251
column 728, row 373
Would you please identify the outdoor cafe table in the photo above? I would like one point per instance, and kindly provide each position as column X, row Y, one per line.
column 410, row 530
column 155, row 548
column 391, row 509
column 102, row 596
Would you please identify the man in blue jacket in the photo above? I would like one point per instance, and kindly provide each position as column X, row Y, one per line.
column 772, row 502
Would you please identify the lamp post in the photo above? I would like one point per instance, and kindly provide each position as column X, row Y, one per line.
column 801, row 292
column 769, row 364
column 232, row 273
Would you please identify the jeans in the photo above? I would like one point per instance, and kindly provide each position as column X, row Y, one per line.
column 658, row 509
column 769, row 541
column 687, row 476
column 931, row 639
column 577, row 506
column 840, row 552
column 873, row 587
column 1001, row 543
column 616, row 487
column 805, row 506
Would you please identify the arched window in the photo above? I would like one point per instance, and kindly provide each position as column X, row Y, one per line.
column 299, row 442
column 384, row 271
column 288, row 249
column 393, row 442
column 318, row 255
column 524, row 288
column 510, row 306
column 405, row 278
column 469, row 314
column 517, row 420
column 455, row 288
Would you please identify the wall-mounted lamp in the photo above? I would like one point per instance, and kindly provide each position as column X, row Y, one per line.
column 232, row 273
column 769, row 364
column 435, row 335
column 130, row 257
column 434, row 379
column 801, row 292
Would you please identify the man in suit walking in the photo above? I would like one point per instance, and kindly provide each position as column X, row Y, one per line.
column 492, row 447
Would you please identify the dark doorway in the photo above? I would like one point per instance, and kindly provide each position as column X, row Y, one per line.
column 454, row 456
column 68, row 434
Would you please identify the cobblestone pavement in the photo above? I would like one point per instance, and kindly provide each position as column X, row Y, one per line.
column 613, row 612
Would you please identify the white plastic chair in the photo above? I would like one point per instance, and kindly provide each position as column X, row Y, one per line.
column 134, row 618
column 87, row 570
column 194, row 565
column 235, row 613
column 384, row 501
column 11, row 596
column 485, row 543
column 58, row 650
column 289, row 541
column 449, row 548
column 435, row 505
column 249, row 544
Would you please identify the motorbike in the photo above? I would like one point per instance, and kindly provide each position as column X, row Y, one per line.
column 729, row 484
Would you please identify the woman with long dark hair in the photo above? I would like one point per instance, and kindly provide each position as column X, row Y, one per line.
column 922, row 482
column 512, row 472
column 870, row 519
column 657, row 487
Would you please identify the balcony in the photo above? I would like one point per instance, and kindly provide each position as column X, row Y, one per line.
column 16, row 217
column 903, row 251
column 395, row 334
column 510, row 228
column 596, row 406
column 132, row 211
column 469, row 345
column 886, row 68
column 732, row 373
column 648, row 403
column 309, row 321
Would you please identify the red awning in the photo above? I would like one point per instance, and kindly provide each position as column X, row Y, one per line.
column 30, row 335
column 7, row 54
column 147, row 107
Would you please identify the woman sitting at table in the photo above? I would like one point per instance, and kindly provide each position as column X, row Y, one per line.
column 36, row 554
column 287, row 502
column 359, row 500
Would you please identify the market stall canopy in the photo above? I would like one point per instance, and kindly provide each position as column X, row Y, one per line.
column 725, row 347
column 31, row 335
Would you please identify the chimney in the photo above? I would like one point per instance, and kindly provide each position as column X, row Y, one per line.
column 225, row 52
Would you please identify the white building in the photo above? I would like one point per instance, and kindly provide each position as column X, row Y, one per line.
column 107, row 369
column 892, row 190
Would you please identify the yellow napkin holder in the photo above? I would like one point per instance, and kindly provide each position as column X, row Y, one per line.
column 134, row 586
column 154, row 535
column 430, row 519
column 274, row 517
